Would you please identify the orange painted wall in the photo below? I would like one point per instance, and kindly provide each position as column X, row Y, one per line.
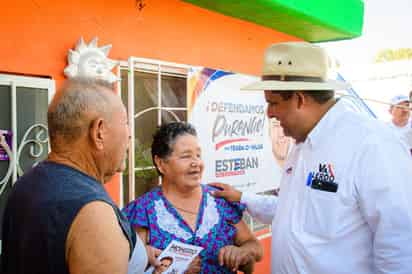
column 263, row 267
column 36, row 35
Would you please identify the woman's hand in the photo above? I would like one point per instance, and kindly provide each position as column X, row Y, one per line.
column 152, row 254
column 233, row 257
column 194, row 267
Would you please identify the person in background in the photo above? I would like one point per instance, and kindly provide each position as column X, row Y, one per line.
column 345, row 202
column 401, row 122
column 400, row 112
column 58, row 217
column 182, row 209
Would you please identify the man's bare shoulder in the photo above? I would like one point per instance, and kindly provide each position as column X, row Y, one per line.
column 96, row 243
column 96, row 212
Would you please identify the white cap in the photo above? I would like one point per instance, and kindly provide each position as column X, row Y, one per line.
column 399, row 99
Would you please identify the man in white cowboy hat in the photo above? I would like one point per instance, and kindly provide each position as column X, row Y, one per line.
column 345, row 196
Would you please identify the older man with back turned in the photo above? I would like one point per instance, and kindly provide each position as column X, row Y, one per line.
column 344, row 205
column 59, row 218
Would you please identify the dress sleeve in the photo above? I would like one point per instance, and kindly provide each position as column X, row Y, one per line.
column 233, row 212
column 136, row 212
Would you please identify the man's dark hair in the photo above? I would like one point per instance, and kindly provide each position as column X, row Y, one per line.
column 165, row 138
column 320, row 96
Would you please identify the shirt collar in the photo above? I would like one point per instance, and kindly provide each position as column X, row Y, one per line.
column 325, row 125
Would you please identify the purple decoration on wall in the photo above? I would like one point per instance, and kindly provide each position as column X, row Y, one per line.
column 9, row 135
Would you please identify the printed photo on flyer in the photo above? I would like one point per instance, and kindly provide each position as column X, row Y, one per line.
column 175, row 259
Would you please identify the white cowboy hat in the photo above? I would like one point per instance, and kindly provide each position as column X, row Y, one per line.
column 296, row 66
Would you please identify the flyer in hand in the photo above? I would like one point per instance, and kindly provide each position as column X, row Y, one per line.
column 176, row 258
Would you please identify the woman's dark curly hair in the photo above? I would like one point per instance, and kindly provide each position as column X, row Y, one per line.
column 165, row 138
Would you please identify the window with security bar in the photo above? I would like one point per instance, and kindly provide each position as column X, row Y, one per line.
column 159, row 96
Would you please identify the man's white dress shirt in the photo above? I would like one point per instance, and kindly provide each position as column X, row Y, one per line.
column 365, row 226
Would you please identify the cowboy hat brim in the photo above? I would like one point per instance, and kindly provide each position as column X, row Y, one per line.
column 295, row 85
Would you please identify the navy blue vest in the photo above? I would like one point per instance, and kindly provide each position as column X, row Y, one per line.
column 41, row 207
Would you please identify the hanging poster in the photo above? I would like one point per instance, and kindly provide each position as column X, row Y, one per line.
column 233, row 130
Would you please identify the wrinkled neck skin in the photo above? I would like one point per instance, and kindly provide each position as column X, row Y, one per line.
column 80, row 159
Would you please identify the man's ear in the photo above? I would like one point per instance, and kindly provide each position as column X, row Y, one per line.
column 96, row 131
column 301, row 99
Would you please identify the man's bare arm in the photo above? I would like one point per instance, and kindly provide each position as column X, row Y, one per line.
column 95, row 243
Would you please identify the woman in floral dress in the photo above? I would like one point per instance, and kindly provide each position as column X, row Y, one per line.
column 183, row 209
